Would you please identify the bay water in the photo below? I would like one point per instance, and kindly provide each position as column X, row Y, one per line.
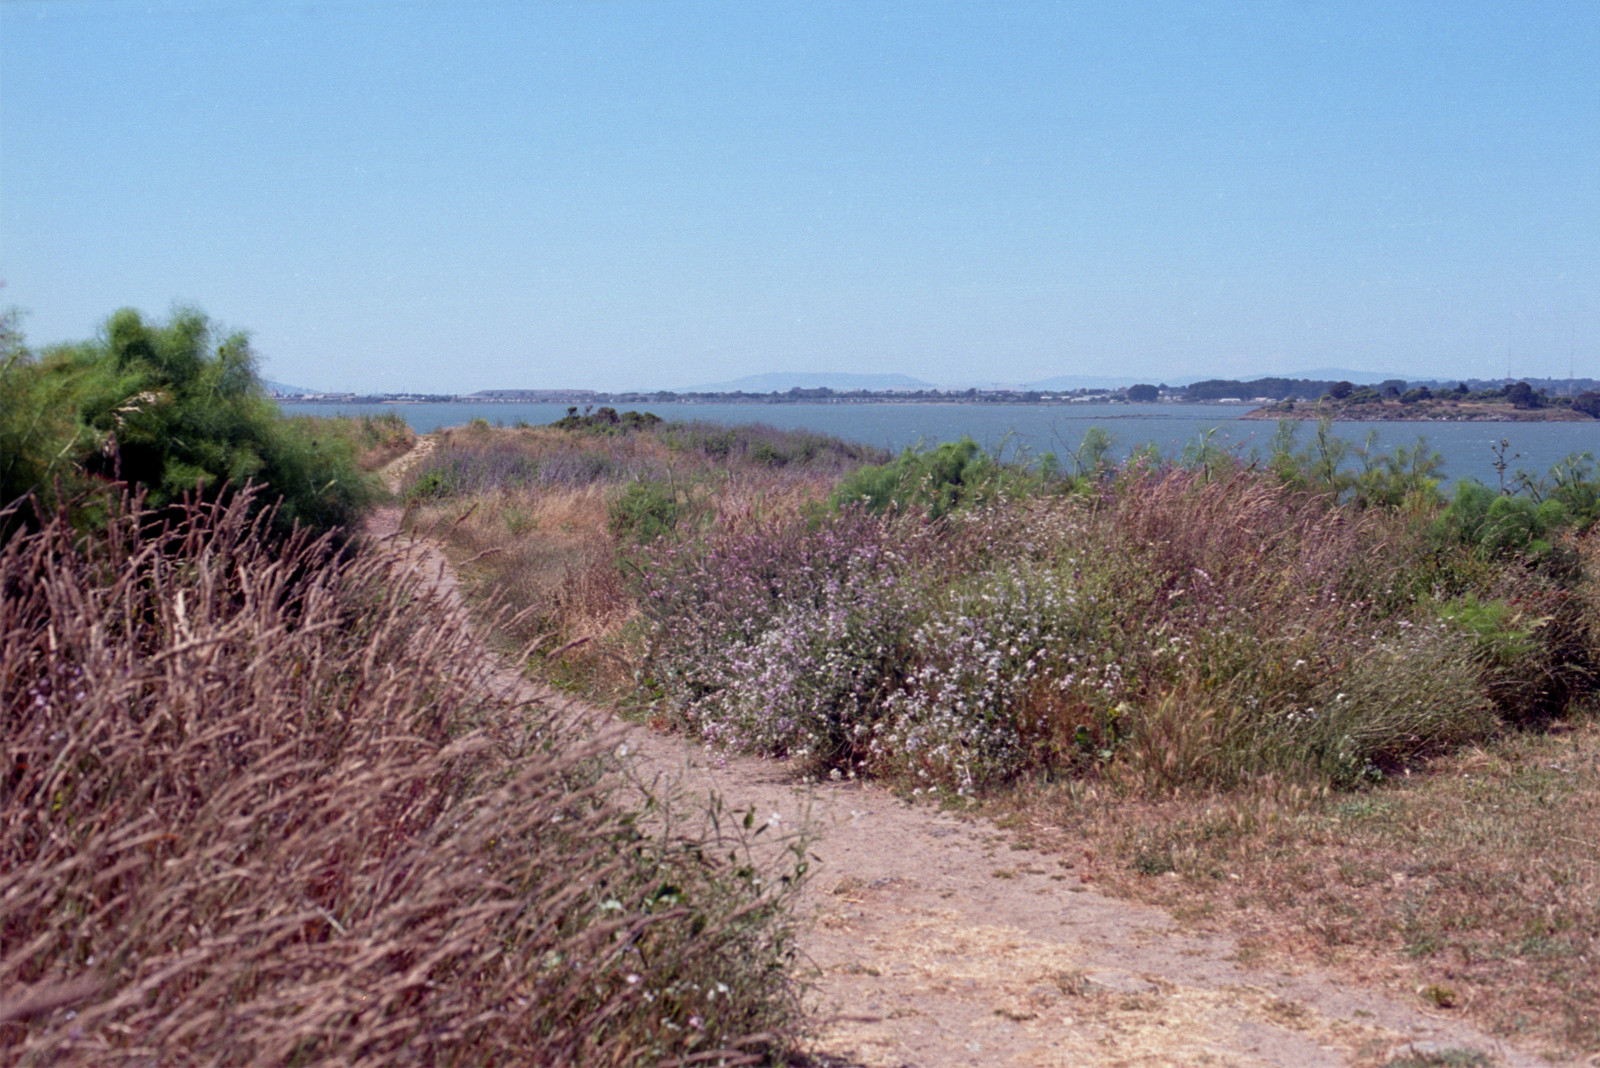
column 1468, row 449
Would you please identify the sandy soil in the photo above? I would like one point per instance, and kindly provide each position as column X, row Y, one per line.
column 931, row 940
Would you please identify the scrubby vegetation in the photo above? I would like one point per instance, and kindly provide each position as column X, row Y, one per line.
column 1184, row 630
column 175, row 408
column 1277, row 631
column 953, row 622
column 374, row 440
column 551, row 519
column 257, row 808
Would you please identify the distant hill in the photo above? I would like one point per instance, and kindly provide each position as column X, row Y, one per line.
column 1315, row 374
column 1336, row 374
column 783, row 381
column 283, row 390
column 1069, row 382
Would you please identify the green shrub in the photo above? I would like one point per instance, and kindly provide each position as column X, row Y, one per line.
column 1576, row 486
column 173, row 408
column 607, row 421
column 1501, row 632
column 1092, row 457
column 650, row 508
column 38, row 430
column 1499, row 523
column 428, row 486
column 951, row 476
column 373, row 439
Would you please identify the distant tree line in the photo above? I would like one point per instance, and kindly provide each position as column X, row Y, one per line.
column 1525, row 394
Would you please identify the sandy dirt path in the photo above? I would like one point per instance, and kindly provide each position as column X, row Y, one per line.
column 931, row 940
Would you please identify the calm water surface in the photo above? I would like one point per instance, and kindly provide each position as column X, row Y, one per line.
column 1467, row 448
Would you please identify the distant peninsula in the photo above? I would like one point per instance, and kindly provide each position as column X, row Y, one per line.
column 1515, row 403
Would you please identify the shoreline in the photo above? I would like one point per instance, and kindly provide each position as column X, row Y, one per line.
column 1421, row 412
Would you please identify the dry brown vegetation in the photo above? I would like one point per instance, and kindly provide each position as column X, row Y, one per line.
column 533, row 529
column 257, row 807
column 1451, row 844
column 1475, row 884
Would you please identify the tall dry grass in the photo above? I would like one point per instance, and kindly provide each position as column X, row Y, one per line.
column 256, row 808
column 529, row 515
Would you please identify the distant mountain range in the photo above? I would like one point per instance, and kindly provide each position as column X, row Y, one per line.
column 1318, row 374
column 841, row 381
column 1333, row 374
column 783, row 381
column 1062, row 383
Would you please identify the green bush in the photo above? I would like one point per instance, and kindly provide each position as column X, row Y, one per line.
column 949, row 477
column 1498, row 523
column 428, row 486
column 374, row 440
column 1576, row 486
column 173, row 409
column 1406, row 479
column 38, row 430
column 650, row 508
column 607, row 421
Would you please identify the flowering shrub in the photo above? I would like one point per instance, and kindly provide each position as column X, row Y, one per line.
column 782, row 638
column 1173, row 625
column 957, row 719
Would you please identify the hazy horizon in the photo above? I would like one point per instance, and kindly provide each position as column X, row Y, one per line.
column 447, row 197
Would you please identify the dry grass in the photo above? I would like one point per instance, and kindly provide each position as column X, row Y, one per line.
column 256, row 808
column 1476, row 883
column 533, row 538
column 548, row 558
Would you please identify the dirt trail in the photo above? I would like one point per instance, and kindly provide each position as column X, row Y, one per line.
column 932, row 941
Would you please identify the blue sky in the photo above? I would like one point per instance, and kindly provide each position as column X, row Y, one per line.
column 629, row 194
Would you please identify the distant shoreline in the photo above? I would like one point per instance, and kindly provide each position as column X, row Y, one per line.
column 1354, row 405
column 1428, row 411
column 633, row 399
